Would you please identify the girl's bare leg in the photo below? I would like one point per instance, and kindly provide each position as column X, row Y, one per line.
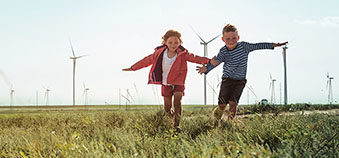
column 177, row 108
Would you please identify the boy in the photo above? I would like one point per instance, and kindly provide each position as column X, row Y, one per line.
column 235, row 57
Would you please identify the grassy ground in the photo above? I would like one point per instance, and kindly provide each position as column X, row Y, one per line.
column 87, row 133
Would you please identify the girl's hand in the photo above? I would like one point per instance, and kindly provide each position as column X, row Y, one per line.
column 127, row 69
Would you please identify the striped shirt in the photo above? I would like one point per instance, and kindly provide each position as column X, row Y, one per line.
column 235, row 61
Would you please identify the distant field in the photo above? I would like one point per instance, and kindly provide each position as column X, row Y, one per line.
column 90, row 108
column 242, row 109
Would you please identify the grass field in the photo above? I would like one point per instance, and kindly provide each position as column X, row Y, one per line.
column 113, row 132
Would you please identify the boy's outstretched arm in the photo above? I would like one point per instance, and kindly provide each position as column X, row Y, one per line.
column 214, row 62
column 279, row 44
column 206, row 68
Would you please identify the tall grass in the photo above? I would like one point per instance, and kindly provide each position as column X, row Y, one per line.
column 150, row 134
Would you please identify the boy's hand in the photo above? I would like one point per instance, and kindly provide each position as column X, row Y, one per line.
column 279, row 44
column 127, row 69
column 214, row 62
column 201, row 69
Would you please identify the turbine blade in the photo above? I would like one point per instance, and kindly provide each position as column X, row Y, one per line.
column 270, row 76
column 9, row 84
column 213, row 38
column 80, row 56
column 129, row 95
column 125, row 98
column 197, row 34
column 72, row 47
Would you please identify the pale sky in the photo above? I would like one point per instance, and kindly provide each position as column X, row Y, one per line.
column 35, row 50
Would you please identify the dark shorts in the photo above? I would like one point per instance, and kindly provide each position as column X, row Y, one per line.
column 167, row 91
column 230, row 90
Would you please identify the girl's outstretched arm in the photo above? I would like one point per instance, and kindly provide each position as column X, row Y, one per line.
column 196, row 59
column 146, row 61
column 127, row 69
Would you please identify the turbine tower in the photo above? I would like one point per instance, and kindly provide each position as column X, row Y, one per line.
column 85, row 93
column 205, row 55
column 47, row 95
column 272, row 89
column 11, row 94
column 285, row 74
column 329, row 86
column 74, row 58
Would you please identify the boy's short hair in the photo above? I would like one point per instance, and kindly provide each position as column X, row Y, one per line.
column 229, row 28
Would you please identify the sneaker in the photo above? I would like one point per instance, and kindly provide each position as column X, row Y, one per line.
column 217, row 113
column 177, row 129
column 216, row 123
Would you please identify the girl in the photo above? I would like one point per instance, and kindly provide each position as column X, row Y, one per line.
column 169, row 68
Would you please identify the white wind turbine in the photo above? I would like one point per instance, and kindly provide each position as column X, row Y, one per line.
column 250, row 88
column 11, row 94
column 205, row 55
column 127, row 100
column 74, row 58
column 214, row 89
column 47, row 90
column 129, row 95
column 10, row 85
column 85, row 93
column 329, row 86
column 272, row 89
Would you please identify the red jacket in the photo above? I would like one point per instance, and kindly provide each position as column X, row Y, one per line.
column 178, row 71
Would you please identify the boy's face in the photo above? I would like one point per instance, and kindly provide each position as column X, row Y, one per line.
column 173, row 43
column 230, row 39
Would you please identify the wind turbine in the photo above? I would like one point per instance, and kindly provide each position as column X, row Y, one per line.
column 11, row 94
column 127, row 100
column 136, row 90
column 329, row 86
column 285, row 74
column 205, row 55
column 129, row 95
column 250, row 88
column 119, row 98
column 213, row 89
column 85, row 93
column 47, row 95
column 10, row 85
column 272, row 89
column 74, row 58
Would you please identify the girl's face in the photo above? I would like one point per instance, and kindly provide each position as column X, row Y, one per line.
column 173, row 43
